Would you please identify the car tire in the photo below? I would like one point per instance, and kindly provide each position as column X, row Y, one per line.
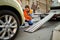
column 41, row 17
column 9, row 25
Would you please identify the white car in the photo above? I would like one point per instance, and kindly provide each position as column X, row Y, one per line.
column 11, row 17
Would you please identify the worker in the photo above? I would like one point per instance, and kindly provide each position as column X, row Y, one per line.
column 34, row 7
column 28, row 18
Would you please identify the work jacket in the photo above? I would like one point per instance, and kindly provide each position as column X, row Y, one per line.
column 27, row 16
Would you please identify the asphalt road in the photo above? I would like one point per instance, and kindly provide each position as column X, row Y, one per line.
column 43, row 33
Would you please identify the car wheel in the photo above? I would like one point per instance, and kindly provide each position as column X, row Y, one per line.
column 9, row 25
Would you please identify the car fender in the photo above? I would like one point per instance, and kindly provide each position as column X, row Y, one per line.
column 14, row 4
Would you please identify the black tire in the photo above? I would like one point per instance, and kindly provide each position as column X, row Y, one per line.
column 41, row 17
column 8, row 12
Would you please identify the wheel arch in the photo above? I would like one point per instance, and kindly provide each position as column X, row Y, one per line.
column 5, row 7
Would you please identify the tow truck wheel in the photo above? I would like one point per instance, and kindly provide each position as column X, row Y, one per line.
column 9, row 24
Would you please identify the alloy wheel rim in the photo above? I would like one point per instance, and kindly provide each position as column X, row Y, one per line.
column 8, row 26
